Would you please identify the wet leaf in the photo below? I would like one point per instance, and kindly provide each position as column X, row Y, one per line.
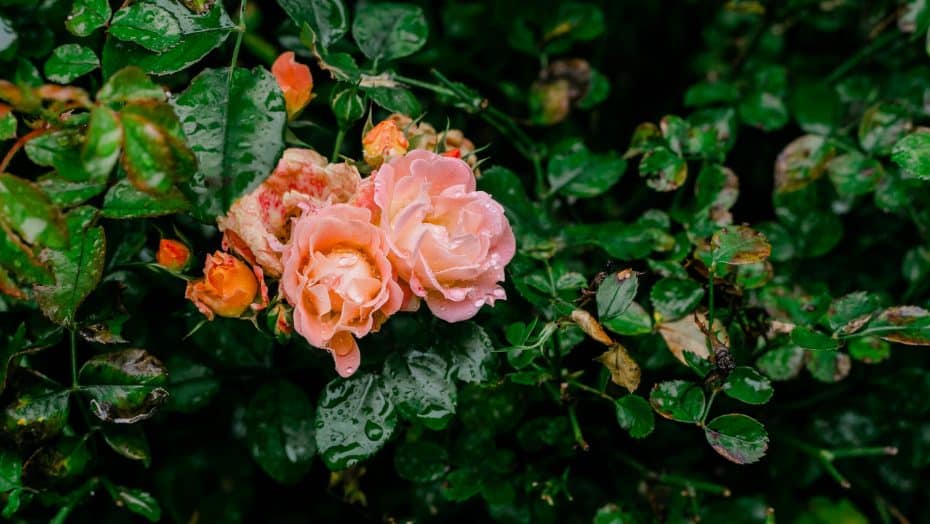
column 634, row 321
column 912, row 154
column 664, row 170
column 678, row 400
column 104, row 140
column 739, row 245
column 747, row 385
column 421, row 461
column 124, row 200
column 419, row 385
column 882, row 125
column 634, row 415
column 147, row 25
column 11, row 470
column 624, row 371
column 673, row 298
column 738, row 438
column 201, row 34
column 87, row 16
column 854, row 174
column 128, row 441
column 280, row 431
column 77, row 269
column 470, row 351
column 66, row 459
column 354, row 419
column 616, row 294
column 236, row 133
column 26, row 210
column 386, row 31
column 130, row 84
column 191, row 385
column 327, row 18
column 903, row 324
column 850, row 312
column 870, row 350
column 808, row 338
column 801, row 162
column 135, row 500
column 828, row 366
column 397, row 100
column 575, row 171
column 69, row 62
column 124, row 386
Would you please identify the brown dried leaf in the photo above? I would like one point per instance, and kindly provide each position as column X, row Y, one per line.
column 685, row 335
column 624, row 371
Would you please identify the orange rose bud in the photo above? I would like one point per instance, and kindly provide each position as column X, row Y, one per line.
column 295, row 80
column 227, row 289
column 384, row 141
column 172, row 255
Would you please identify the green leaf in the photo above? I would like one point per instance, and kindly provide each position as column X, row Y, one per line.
column 66, row 459
column 8, row 125
column 854, row 174
column 386, row 31
column 11, row 470
column 870, row 350
column 396, row 100
column 103, row 143
column 816, row 107
column 421, row 461
column 828, row 366
column 673, row 298
column 461, row 485
column 87, row 16
column 634, row 415
column 418, row 384
column 26, row 210
column 130, row 84
column 470, row 352
column 280, row 432
column 147, row 25
column 236, row 129
column 616, row 294
column 738, row 438
column 124, row 200
column 739, row 245
column 327, row 18
column 354, row 419
column 782, row 363
column 663, row 169
column 801, row 162
column 191, row 385
column 912, row 153
column 155, row 155
column 574, row 21
column 678, row 400
column 128, row 441
column 124, row 386
column 575, row 171
column 807, row 338
column 764, row 110
column 70, row 61
column 77, row 269
column 747, row 385
column 201, row 34
column 634, row 321
column 135, row 500
column 881, row 127
column 61, row 150
column 908, row 325
column 9, row 40
column 710, row 93
column 348, row 104
column 850, row 312
column 36, row 415
column 598, row 91
column 821, row 510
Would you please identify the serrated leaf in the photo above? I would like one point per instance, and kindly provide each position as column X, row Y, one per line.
column 678, row 400
column 634, row 321
column 128, row 441
column 747, row 385
column 25, row 209
column 236, row 133
column 327, row 18
column 782, row 363
column 616, row 294
column 87, row 16
column 124, row 200
column 148, row 25
column 396, row 100
column 470, row 351
column 419, row 385
column 103, row 143
column 908, row 325
column 575, row 171
column 739, row 245
column 128, row 85
column 673, row 298
column 634, row 415
column 386, row 31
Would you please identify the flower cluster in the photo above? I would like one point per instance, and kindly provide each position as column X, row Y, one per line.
column 350, row 252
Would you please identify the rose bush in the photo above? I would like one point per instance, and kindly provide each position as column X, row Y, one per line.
column 376, row 261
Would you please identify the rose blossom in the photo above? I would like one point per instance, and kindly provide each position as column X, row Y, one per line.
column 228, row 287
column 172, row 255
column 295, row 81
column 448, row 242
column 383, row 142
column 258, row 224
column 339, row 280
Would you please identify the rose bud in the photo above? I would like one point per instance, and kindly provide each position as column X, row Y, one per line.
column 228, row 287
column 172, row 255
column 295, row 80
column 384, row 141
column 280, row 322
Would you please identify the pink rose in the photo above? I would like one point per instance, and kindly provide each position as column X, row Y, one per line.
column 258, row 225
column 448, row 242
column 339, row 280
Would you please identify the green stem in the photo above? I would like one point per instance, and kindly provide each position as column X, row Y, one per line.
column 675, row 480
column 874, row 451
column 576, row 429
column 710, row 403
column 862, row 55
column 74, row 380
column 337, row 147
column 827, row 456
column 710, row 305
column 235, row 55
column 424, row 85
column 261, row 48
column 594, row 391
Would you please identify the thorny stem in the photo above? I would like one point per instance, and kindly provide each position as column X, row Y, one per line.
column 675, row 480
column 576, row 429
column 827, row 456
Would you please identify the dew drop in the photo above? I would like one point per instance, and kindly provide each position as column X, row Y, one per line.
column 479, row 303
column 373, row 431
column 457, row 294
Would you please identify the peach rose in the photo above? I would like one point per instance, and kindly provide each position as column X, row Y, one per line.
column 228, row 287
column 295, row 81
column 383, row 142
column 172, row 255
column 258, row 224
column 448, row 242
column 339, row 280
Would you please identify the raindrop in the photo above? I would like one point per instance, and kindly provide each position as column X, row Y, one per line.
column 479, row 302
column 457, row 294
column 373, row 431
